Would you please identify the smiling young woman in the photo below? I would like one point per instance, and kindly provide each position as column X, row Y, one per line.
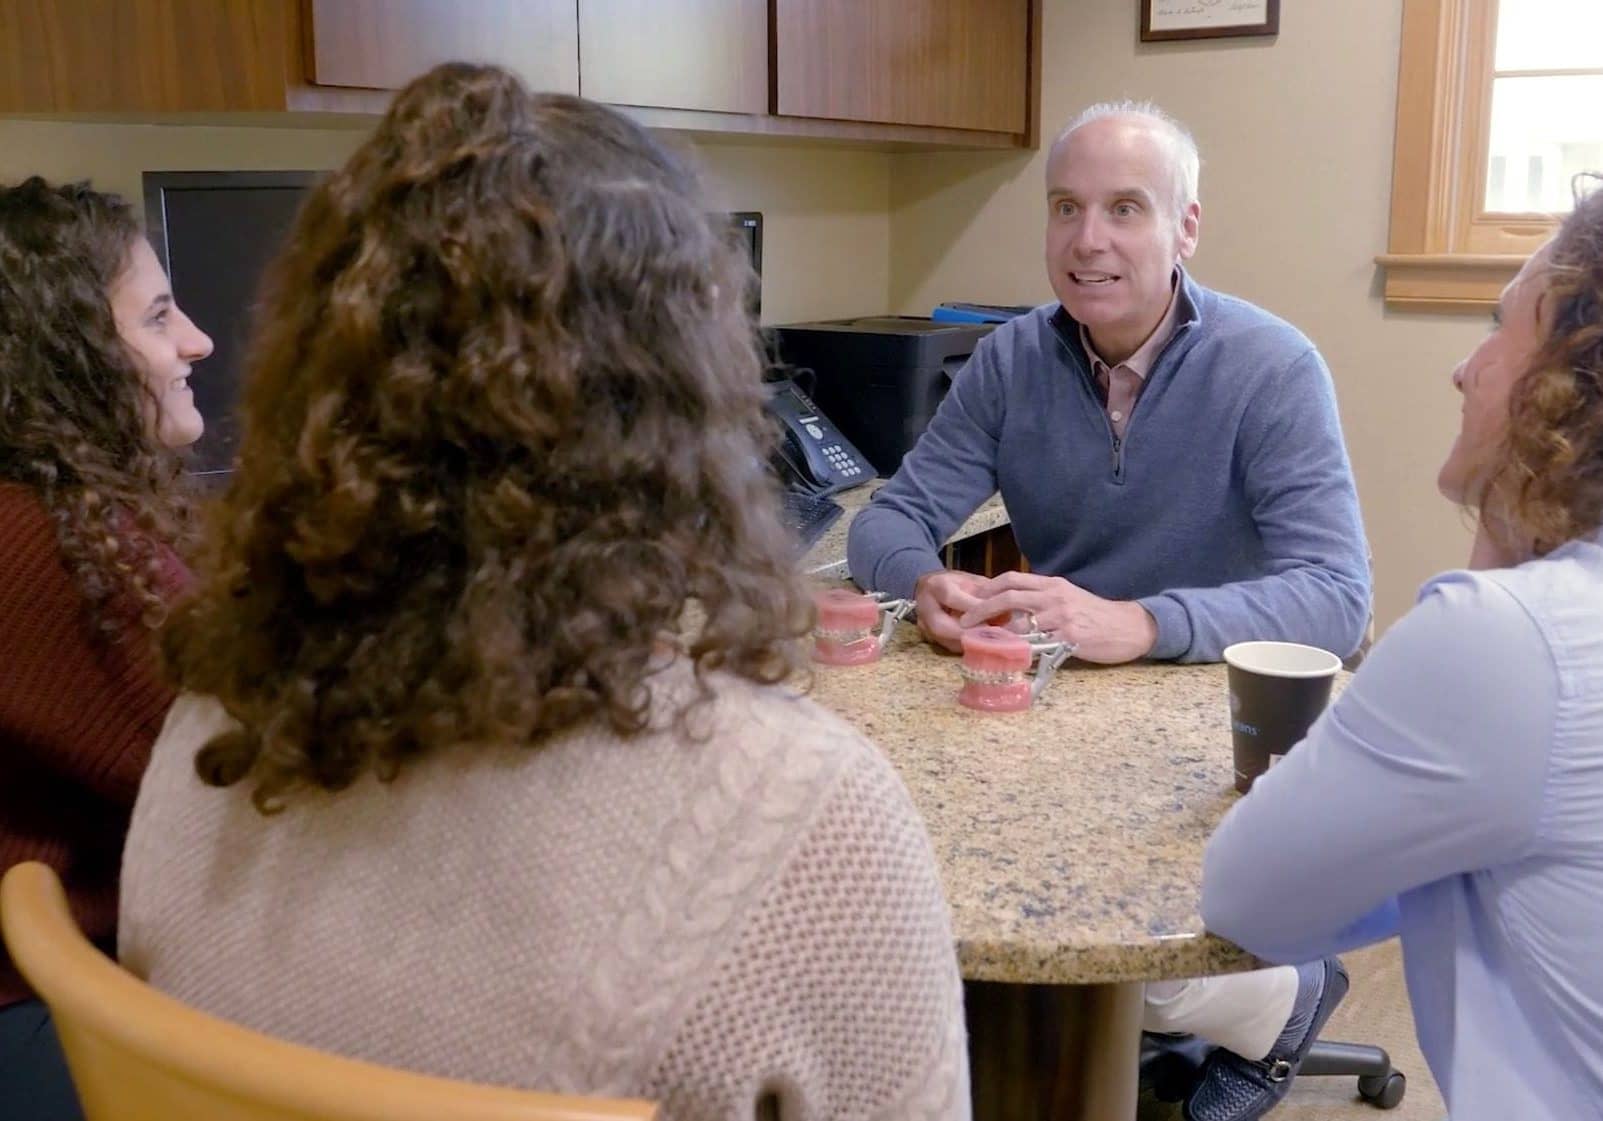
column 94, row 362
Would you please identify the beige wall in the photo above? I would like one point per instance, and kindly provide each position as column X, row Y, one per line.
column 1296, row 137
column 826, row 211
column 114, row 156
column 826, row 224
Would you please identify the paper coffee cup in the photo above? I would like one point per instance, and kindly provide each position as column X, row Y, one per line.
column 1277, row 691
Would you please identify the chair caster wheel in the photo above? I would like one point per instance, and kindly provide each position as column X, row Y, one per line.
column 1384, row 1091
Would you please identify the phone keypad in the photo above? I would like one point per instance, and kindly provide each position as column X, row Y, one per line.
column 842, row 462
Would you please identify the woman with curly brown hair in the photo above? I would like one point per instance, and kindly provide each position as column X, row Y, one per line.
column 94, row 364
column 448, row 790
column 1454, row 793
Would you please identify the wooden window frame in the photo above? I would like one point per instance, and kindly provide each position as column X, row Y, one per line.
column 1445, row 252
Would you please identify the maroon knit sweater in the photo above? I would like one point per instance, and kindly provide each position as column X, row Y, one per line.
column 77, row 717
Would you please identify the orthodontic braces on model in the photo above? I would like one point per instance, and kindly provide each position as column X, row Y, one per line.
column 845, row 635
column 996, row 666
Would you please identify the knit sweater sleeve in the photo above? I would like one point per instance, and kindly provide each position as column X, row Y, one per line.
column 950, row 471
column 841, row 996
column 1316, row 584
column 75, row 706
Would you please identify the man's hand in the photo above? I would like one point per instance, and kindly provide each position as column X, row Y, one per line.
column 1105, row 630
column 941, row 599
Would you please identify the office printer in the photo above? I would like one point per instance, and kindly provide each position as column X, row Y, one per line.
column 879, row 378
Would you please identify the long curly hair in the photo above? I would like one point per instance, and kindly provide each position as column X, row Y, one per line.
column 502, row 423
column 73, row 404
column 1547, row 483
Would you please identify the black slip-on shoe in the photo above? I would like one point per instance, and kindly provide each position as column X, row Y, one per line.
column 1236, row 1089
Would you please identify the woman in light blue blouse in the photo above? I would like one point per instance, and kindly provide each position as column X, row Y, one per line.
column 1454, row 793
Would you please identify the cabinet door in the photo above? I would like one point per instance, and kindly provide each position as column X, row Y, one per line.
column 141, row 56
column 943, row 63
column 383, row 44
column 690, row 54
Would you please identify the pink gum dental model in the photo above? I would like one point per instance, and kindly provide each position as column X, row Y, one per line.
column 996, row 662
column 847, row 620
column 996, row 665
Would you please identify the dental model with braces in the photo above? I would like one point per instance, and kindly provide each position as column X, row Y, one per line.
column 845, row 634
column 996, row 667
column 996, row 662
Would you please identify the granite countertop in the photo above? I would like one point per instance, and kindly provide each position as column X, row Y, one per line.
column 827, row 558
column 1069, row 836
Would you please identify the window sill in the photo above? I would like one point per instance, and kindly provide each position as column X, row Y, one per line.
column 1447, row 282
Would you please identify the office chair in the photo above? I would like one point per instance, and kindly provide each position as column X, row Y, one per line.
column 1378, row 1083
column 138, row 1055
column 1170, row 1067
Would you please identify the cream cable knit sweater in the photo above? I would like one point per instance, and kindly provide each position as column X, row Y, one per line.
column 748, row 925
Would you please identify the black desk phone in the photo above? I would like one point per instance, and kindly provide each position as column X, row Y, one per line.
column 813, row 456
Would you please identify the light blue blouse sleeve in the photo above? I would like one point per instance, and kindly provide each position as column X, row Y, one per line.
column 1432, row 763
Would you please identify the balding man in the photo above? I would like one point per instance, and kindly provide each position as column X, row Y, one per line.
column 1173, row 464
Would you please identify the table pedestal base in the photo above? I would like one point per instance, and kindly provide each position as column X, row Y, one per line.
column 1069, row 1052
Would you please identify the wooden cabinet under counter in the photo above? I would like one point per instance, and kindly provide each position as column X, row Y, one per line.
column 983, row 543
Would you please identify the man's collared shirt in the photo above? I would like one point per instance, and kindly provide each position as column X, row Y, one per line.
column 1122, row 384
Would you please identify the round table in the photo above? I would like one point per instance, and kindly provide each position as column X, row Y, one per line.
column 1070, row 842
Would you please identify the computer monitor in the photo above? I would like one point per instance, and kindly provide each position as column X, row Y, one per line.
column 750, row 225
column 215, row 232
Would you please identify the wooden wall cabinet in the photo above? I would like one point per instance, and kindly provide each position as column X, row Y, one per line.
column 227, row 56
column 142, row 56
column 933, row 73
column 706, row 55
column 383, row 44
column 960, row 64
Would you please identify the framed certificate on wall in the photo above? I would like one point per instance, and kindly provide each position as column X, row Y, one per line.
column 1163, row 20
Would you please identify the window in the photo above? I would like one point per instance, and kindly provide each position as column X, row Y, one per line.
column 1496, row 113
